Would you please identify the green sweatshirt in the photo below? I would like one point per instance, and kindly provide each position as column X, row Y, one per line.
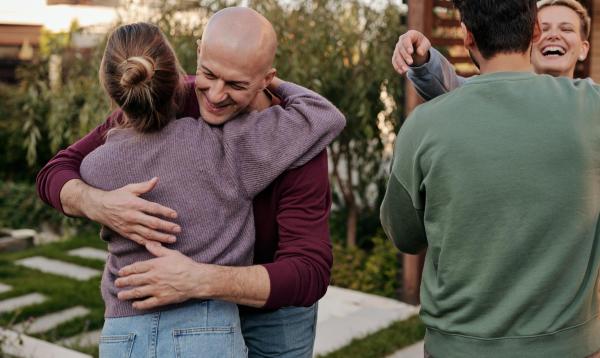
column 500, row 179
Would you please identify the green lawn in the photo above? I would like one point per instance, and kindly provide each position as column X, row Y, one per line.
column 61, row 292
column 383, row 343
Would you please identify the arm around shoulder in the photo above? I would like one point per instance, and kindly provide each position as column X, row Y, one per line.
column 264, row 144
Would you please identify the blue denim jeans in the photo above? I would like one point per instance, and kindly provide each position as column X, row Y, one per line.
column 287, row 332
column 208, row 329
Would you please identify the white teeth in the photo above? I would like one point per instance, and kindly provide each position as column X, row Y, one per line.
column 556, row 50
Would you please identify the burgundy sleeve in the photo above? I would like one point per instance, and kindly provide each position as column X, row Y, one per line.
column 64, row 166
column 301, row 269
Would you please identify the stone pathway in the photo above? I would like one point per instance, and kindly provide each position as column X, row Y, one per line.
column 343, row 314
column 60, row 268
column 52, row 320
column 15, row 303
column 87, row 339
column 90, row 253
column 346, row 314
column 14, row 344
column 5, row 288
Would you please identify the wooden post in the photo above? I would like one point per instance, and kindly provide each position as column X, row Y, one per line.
column 420, row 18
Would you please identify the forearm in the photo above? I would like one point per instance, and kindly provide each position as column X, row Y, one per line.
column 76, row 197
column 64, row 167
column 248, row 286
column 436, row 77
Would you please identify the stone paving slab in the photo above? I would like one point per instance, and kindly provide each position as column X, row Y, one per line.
column 15, row 344
column 52, row 320
column 414, row 351
column 60, row 268
column 15, row 303
column 346, row 314
column 90, row 253
column 5, row 288
column 87, row 339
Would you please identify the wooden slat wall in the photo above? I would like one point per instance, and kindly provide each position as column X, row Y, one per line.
column 84, row 2
column 15, row 35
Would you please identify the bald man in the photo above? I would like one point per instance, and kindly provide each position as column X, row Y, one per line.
column 292, row 252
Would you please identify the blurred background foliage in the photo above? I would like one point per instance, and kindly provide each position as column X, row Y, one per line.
column 339, row 48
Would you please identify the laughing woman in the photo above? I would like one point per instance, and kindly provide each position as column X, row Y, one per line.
column 564, row 41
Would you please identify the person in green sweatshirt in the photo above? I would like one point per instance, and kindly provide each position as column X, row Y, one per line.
column 500, row 180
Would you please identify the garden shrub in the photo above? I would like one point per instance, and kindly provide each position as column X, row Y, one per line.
column 376, row 271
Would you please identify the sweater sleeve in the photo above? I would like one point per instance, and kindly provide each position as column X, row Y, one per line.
column 435, row 77
column 301, row 268
column 403, row 207
column 64, row 166
column 260, row 146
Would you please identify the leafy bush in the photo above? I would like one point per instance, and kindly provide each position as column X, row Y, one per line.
column 21, row 208
column 376, row 271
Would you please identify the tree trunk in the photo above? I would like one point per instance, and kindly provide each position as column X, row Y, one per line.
column 351, row 224
column 345, row 186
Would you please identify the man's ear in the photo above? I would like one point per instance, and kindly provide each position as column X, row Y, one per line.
column 468, row 39
column 269, row 77
column 537, row 31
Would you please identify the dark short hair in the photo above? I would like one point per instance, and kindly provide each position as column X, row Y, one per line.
column 499, row 26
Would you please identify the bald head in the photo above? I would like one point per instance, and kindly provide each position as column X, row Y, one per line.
column 244, row 34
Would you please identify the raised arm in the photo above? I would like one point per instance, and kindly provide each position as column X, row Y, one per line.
column 436, row 77
column 429, row 71
column 262, row 145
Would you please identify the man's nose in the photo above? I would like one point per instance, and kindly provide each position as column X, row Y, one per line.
column 216, row 92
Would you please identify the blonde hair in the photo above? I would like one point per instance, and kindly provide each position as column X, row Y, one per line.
column 141, row 74
column 584, row 16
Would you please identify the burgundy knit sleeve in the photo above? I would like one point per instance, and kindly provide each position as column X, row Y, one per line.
column 64, row 166
column 301, row 269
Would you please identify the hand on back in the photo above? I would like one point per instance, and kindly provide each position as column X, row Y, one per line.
column 132, row 217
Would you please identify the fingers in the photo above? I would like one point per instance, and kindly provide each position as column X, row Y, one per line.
column 157, row 209
column 141, row 231
column 135, row 293
column 153, row 223
column 135, row 238
column 158, row 250
column 140, row 279
column 398, row 60
column 141, row 188
column 423, row 47
column 411, row 49
column 147, row 304
column 136, row 268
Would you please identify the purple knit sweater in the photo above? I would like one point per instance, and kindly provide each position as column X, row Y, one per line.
column 209, row 175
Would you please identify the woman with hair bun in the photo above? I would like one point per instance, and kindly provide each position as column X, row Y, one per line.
column 141, row 74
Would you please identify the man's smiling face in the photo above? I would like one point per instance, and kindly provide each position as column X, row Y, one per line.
column 226, row 85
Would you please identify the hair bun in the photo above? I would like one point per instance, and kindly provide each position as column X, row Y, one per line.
column 136, row 70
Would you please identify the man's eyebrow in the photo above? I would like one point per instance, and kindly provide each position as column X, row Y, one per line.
column 236, row 83
column 207, row 70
